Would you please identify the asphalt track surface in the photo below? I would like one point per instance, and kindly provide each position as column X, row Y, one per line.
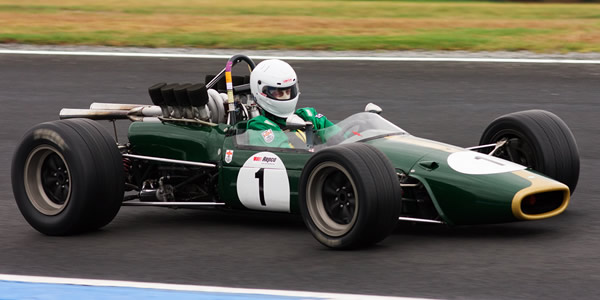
column 557, row 258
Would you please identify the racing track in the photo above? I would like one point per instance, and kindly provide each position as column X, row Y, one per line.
column 452, row 102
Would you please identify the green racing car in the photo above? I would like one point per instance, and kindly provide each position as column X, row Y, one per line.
column 351, row 182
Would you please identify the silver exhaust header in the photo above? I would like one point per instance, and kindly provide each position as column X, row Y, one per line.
column 114, row 111
column 95, row 114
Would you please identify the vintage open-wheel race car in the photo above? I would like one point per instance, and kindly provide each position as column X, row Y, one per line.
column 191, row 150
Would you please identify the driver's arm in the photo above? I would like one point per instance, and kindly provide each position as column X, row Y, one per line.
column 310, row 114
column 319, row 122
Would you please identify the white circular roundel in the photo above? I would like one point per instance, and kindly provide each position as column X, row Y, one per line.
column 471, row 162
column 263, row 184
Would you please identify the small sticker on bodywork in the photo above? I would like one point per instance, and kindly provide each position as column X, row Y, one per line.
column 228, row 156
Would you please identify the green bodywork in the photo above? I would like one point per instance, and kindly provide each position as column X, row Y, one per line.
column 189, row 142
column 459, row 198
column 293, row 160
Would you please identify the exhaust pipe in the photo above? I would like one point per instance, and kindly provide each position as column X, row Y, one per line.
column 113, row 111
column 96, row 114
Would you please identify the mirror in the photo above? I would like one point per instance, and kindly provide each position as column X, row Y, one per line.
column 373, row 108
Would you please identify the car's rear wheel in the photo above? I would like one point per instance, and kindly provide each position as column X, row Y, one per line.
column 67, row 177
column 539, row 140
column 349, row 196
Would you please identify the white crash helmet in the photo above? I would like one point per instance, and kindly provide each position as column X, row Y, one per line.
column 274, row 84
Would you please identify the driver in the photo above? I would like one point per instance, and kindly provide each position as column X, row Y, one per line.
column 274, row 85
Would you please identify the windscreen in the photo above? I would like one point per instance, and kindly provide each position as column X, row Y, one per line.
column 357, row 127
column 360, row 126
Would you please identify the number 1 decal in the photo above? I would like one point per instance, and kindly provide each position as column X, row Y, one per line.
column 263, row 184
column 260, row 174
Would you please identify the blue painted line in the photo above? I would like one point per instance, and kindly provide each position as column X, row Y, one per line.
column 11, row 290
column 20, row 287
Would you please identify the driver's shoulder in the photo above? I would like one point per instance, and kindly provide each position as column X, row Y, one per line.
column 261, row 123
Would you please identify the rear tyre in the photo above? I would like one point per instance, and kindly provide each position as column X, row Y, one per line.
column 349, row 196
column 68, row 177
column 539, row 140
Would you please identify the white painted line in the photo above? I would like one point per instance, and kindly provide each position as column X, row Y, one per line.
column 309, row 58
column 192, row 288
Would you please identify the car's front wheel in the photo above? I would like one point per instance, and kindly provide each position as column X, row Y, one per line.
column 68, row 177
column 350, row 196
column 537, row 139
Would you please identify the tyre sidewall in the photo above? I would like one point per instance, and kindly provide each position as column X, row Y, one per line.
column 368, row 228
column 75, row 153
column 341, row 241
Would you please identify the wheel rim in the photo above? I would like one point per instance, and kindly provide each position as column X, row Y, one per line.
column 47, row 180
column 517, row 149
column 331, row 199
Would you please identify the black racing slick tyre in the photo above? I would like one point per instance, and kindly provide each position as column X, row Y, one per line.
column 537, row 139
column 350, row 196
column 68, row 177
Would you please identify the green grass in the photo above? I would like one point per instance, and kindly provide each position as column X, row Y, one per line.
column 329, row 9
column 340, row 25
column 467, row 38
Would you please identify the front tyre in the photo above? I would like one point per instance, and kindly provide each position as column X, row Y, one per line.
column 67, row 177
column 537, row 139
column 349, row 196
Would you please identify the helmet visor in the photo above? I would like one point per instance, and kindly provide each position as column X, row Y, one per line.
column 281, row 93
